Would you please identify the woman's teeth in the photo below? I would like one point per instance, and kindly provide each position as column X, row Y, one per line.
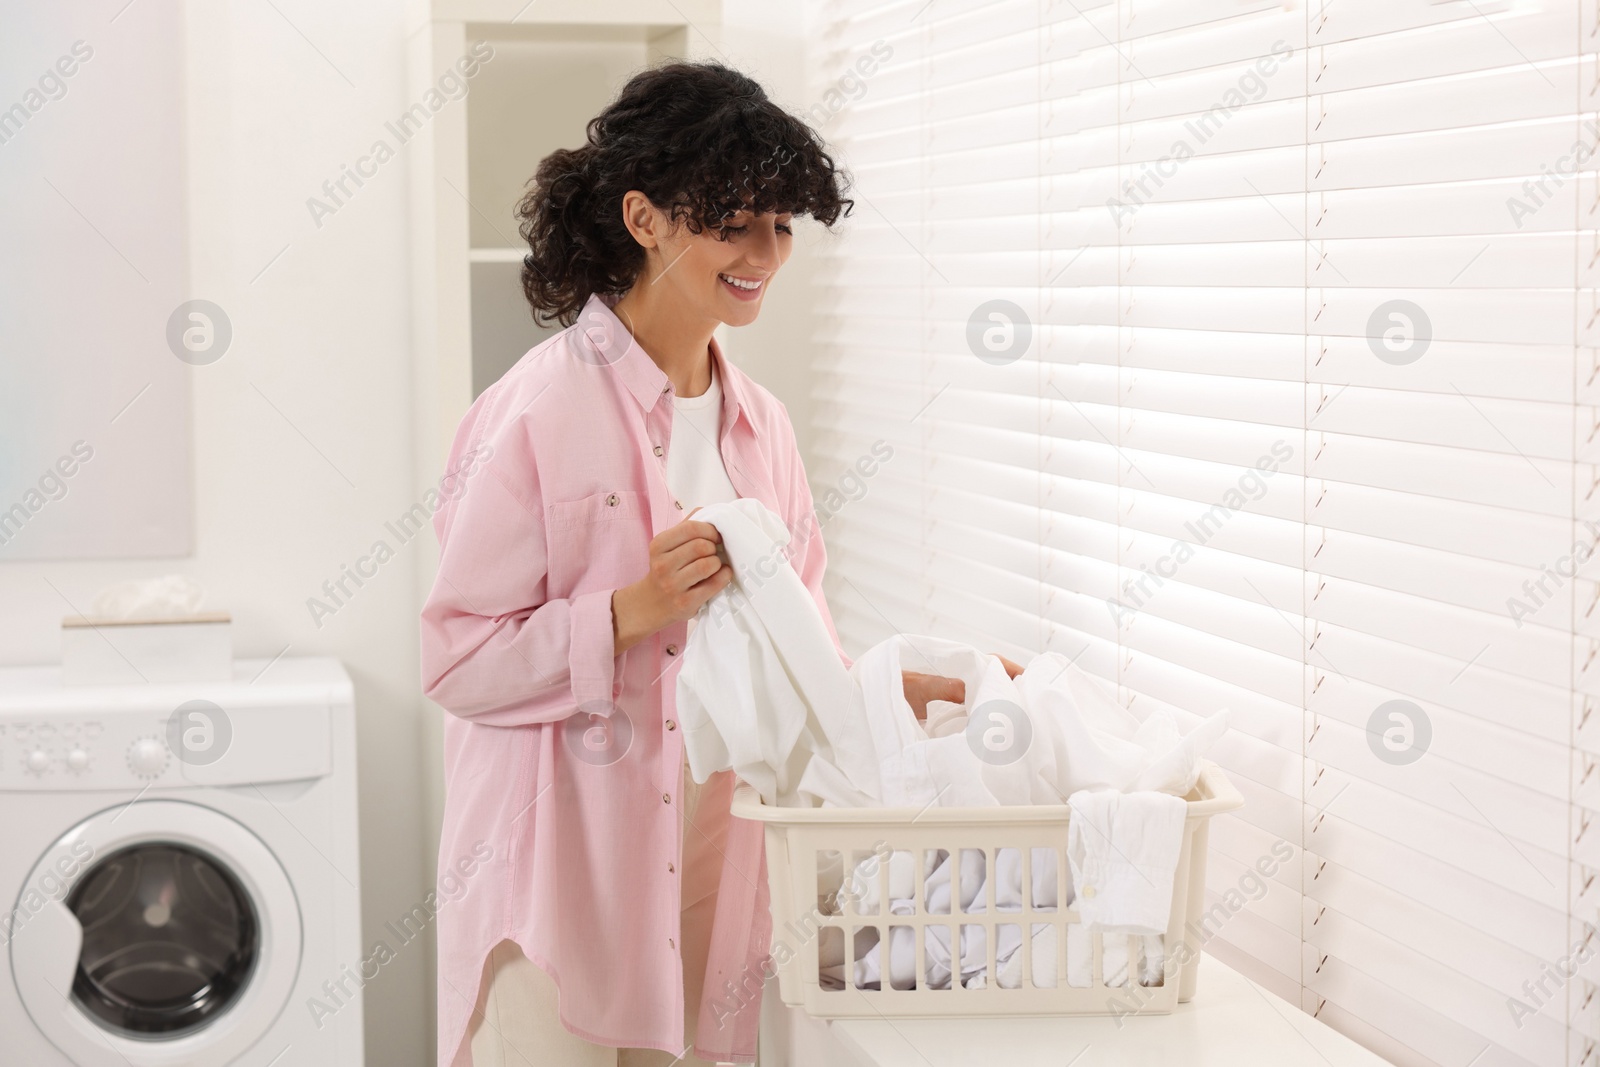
column 740, row 283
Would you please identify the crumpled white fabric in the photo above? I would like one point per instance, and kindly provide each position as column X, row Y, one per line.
column 919, row 770
column 1102, row 745
column 1035, row 739
column 761, row 688
column 970, row 897
column 1148, row 951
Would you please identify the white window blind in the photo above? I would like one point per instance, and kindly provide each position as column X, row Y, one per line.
column 1288, row 406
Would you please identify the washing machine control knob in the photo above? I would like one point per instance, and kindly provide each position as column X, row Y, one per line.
column 77, row 759
column 147, row 757
column 38, row 761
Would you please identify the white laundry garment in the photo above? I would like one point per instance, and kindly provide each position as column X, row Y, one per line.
column 1034, row 739
column 1152, row 959
column 1149, row 952
column 974, row 960
column 762, row 691
column 1123, row 849
column 944, row 717
column 1043, row 882
column 1008, row 941
column 989, row 752
column 861, row 892
column 1009, row 964
column 895, row 734
column 761, row 688
column 863, row 883
column 1099, row 744
column 902, row 957
column 1150, row 956
column 1149, row 949
column 862, row 887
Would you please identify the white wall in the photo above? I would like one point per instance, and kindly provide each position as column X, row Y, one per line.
column 302, row 431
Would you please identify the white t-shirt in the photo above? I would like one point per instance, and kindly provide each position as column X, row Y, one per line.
column 695, row 473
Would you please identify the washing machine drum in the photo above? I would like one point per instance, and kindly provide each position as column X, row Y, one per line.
column 177, row 938
column 170, row 939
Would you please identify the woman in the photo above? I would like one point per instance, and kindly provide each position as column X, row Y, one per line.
column 570, row 570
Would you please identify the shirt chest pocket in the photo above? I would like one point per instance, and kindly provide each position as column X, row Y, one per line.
column 600, row 541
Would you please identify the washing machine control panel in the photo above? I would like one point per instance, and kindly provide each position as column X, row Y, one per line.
column 198, row 743
column 87, row 751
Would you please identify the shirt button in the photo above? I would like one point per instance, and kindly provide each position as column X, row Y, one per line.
column 659, row 450
column 671, row 725
column 1088, row 891
column 666, row 798
column 671, row 869
column 672, row 650
column 667, row 388
column 671, row 943
column 611, row 501
column 678, row 504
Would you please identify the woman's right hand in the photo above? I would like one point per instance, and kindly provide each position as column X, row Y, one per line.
column 685, row 572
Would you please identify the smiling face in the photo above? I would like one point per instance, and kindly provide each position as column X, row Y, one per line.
column 711, row 276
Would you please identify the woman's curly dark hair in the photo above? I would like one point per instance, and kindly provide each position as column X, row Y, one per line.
column 703, row 142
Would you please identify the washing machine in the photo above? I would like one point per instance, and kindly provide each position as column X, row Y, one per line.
column 179, row 875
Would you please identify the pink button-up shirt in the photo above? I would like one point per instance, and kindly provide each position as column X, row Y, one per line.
column 562, row 757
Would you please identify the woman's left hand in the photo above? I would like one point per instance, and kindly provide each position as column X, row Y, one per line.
column 921, row 688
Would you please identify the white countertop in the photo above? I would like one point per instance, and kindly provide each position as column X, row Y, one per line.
column 1232, row 1022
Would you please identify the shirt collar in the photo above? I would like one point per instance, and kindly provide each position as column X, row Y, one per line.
column 603, row 339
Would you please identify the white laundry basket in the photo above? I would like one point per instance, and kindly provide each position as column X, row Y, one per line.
column 811, row 850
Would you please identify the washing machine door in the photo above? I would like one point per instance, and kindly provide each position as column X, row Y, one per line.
column 168, row 934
